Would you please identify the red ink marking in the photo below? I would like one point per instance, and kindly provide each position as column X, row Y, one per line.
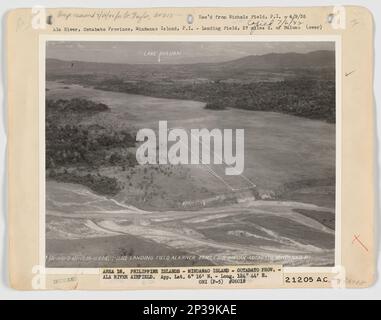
column 357, row 238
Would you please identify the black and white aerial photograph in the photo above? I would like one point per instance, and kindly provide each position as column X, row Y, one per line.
column 170, row 153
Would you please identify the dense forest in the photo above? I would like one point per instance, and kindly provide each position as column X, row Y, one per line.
column 310, row 98
column 75, row 152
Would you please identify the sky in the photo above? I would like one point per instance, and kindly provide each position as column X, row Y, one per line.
column 172, row 52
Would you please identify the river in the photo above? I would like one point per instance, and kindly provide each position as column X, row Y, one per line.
column 280, row 150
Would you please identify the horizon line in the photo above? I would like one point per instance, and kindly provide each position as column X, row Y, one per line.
column 193, row 63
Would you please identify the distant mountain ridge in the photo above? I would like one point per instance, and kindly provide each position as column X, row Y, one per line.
column 271, row 61
column 321, row 58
